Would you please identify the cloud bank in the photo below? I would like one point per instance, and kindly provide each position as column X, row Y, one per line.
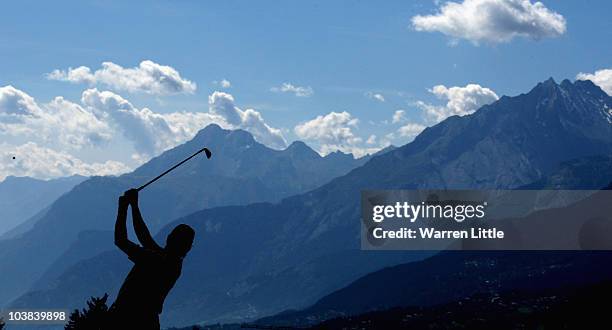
column 39, row 162
column 154, row 132
column 100, row 117
column 61, row 121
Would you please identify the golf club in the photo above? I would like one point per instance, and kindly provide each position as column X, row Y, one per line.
column 206, row 152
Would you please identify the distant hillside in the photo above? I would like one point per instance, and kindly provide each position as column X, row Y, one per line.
column 472, row 272
column 22, row 197
column 566, row 307
column 256, row 260
column 584, row 173
column 562, row 308
column 453, row 276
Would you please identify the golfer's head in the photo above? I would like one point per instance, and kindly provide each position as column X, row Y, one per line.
column 179, row 241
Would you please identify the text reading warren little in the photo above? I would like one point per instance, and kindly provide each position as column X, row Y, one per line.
column 411, row 213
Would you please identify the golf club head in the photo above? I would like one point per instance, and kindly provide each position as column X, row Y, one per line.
column 208, row 153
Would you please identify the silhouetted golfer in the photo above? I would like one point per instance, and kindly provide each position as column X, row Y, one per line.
column 155, row 270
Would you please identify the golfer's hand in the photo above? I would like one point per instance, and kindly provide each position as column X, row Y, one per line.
column 132, row 197
column 123, row 202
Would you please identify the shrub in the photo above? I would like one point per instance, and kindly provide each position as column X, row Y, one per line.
column 90, row 318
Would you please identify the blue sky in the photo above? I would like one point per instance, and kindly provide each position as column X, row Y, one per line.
column 357, row 62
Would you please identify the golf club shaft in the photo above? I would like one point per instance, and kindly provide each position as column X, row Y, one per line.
column 170, row 169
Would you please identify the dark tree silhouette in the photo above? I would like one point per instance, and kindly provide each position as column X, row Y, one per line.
column 91, row 318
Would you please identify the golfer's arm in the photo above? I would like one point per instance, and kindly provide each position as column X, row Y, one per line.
column 121, row 236
column 142, row 232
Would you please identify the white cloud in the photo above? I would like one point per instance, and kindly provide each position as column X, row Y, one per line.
column 297, row 90
column 492, row 21
column 601, row 78
column 185, row 125
column 151, row 132
column 146, row 129
column 149, row 77
column 356, row 151
column 460, row 100
column 386, row 140
column 410, row 130
column 333, row 132
column 222, row 105
column 44, row 163
column 371, row 139
column 60, row 120
column 79, row 126
column 398, row 116
column 375, row 96
column 335, row 128
column 225, row 83
column 14, row 102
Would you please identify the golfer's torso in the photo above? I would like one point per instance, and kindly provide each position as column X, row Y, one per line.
column 148, row 284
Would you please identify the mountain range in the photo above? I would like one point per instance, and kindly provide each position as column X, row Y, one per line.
column 255, row 260
column 242, row 171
